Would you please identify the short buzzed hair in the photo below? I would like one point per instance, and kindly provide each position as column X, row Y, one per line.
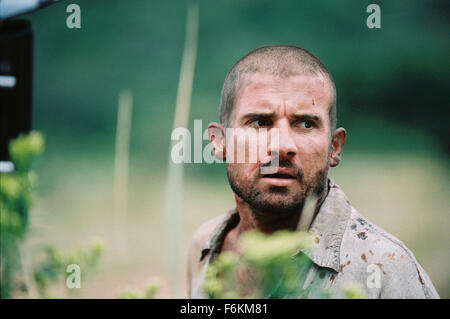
column 278, row 60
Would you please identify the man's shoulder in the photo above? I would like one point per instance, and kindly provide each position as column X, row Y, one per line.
column 205, row 230
column 363, row 233
column 366, row 244
column 199, row 239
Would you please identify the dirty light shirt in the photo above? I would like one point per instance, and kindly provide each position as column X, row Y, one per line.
column 347, row 248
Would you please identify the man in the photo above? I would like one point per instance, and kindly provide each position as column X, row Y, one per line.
column 288, row 90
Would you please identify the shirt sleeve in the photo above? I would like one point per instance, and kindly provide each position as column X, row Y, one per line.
column 406, row 279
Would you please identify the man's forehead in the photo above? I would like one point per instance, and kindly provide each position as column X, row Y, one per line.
column 267, row 91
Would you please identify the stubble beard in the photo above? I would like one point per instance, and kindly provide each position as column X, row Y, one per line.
column 278, row 200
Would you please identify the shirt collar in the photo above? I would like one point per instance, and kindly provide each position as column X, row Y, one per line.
column 328, row 228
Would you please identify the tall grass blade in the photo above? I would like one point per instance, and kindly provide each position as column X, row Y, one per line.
column 121, row 165
column 175, row 171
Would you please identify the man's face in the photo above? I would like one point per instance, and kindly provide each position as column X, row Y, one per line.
column 298, row 107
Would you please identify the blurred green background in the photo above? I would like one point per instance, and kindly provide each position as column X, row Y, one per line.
column 393, row 98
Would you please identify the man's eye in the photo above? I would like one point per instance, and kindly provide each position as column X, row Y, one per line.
column 260, row 123
column 306, row 124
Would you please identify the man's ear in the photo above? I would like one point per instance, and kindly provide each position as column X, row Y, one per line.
column 337, row 143
column 216, row 134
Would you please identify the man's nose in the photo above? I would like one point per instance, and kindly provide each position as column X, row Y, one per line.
column 282, row 142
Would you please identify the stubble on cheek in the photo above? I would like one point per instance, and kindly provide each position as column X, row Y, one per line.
column 315, row 165
column 244, row 174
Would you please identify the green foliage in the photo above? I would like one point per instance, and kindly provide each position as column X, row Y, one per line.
column 24, row 149
column 269, row 267
column 220, row 281
column 354, row 291
column 151, row 289
column 15, row 202
column 129, row 293
column 52, row 269
column 15, row 187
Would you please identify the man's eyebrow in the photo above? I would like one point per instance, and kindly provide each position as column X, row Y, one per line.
column 258, row 115
column 306, row 117
column 269, row 115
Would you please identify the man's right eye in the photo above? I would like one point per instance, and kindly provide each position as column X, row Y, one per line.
column 260, row 123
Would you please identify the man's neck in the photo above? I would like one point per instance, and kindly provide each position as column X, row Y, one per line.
column 270, row 223
column 263, row 221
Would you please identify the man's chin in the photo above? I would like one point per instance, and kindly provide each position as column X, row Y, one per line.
column 278, row 203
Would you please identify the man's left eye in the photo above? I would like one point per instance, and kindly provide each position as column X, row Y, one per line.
column 306, row 124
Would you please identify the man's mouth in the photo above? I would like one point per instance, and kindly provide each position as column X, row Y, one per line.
column 279, row 175
column 283, row 178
